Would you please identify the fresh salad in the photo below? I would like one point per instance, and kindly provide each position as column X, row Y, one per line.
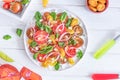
column 55, row 40
column 14, row 6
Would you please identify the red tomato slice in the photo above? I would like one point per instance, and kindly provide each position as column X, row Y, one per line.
column 6, row 6
column 29, row 75
column 70, row 51
column 34, row 50
column 30, row 32
column 59, row 28
column 9, row 72
column 41, row 37
column 41, row 57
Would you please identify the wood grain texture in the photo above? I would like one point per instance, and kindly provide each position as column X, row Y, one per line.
column 100, row 28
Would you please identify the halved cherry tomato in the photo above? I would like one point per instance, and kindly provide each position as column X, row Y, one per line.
column 34, row 50
column 6, row 6
column 59, row 28
column 30, row 32
column 41, row 37
column 29, row 75
column 41, row 57
column 79, row 42
column 70, row 51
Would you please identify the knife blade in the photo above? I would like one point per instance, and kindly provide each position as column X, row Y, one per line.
column 5, row 57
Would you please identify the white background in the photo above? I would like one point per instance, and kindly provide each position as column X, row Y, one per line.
column 100, row 27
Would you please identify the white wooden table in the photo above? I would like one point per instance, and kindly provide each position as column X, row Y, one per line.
column 100, row 27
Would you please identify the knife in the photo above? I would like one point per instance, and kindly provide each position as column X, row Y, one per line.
column 108, row 45
column 105, row 76
column 5, row 57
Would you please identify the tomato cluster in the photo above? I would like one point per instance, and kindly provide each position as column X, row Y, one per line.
column 55, row 39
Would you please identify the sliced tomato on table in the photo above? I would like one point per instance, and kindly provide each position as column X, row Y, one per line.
column 70, row 51
column 9, row 72
column 29, row 75
column 41, row 36
column 41, row 57
column 59, row 28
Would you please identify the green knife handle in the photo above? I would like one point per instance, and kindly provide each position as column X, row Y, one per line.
column 99, row 53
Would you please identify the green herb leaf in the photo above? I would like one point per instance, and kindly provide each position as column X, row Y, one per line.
column 68, row 22
column 5, row 57
column 72, row 41
column 57, row 66
column 79, row 54
column 33, row 44
column 53, row 14
column 38, row 24
column 48, row 29
column 63, row 16
column 46, row 50
column 7, row 37
column 25, row 2
column 57, row 35
column 35, row 56
column 38, row 16
column 61, row 44
column 19, row 32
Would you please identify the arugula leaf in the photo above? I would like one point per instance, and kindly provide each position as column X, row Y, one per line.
column 7, row 37
column 79, row 54
column 61, row 44
column 38, row 16
column 72, row 41
column 46, row 50
column 33, row 44
column 19, row 32
column 57, row 66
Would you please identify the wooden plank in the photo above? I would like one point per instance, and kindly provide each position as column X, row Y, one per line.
column 108, row 20
column 83, row 69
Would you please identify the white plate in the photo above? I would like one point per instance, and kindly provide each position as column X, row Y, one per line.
column 57, row 10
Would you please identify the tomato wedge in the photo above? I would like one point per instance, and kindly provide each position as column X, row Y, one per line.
column 41, row 36
column 9, row 72
column 29, row 75
column 41, row 57
column 59, row 28
column 70, row 51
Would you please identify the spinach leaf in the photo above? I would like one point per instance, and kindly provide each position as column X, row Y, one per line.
column 57, row 66
column 72, row 41
column 61, row 44
column 38, row 16
column 48, row 29
column 54, row 15
column 7, row 37
column 63, row 16
column 79, row 54
column 68, row 22
column 19, row 32
column 46, row 50
column 24, row 2
column 33, row 44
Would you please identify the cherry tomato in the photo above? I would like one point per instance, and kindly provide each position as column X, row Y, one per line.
column 34, row 50
column 59, row 28
column 41, row 37
column 79, row 42
column 41, row 57
column 9, row 72
column 70, row 51
column 30, row 32
column 16, row 7
column 6, row 6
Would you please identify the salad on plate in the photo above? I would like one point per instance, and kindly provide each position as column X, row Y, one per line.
column 56, row 39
